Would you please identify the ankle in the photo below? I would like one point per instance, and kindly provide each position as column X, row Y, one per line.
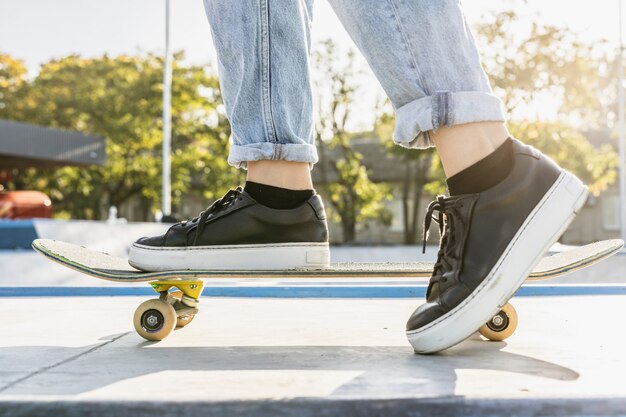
column 461, row 146
column 485, row 173
column 277, row 197
column 282, row 174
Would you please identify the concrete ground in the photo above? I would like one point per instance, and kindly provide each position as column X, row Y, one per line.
column 306, row 357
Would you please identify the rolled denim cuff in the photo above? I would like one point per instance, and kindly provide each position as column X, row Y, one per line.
column 444, row 108
column 239, row 155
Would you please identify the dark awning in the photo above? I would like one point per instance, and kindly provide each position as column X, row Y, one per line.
column 25, row 145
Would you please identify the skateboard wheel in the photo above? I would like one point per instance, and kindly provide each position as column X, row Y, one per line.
column 502, row 325
column 182, row 321
column 155, row 319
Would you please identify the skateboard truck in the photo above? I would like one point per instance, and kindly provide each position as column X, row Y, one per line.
column 155, row 319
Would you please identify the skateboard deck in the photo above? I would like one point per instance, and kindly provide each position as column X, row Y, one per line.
column 111, row 268
column 155, row 319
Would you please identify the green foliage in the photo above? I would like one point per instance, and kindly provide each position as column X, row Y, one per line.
column 423, row 175
column 353, row 196
column 12, row 79
column 433, row 178
column 120, row 98
column 595, row 166
column 548, row 63
column 551, row 63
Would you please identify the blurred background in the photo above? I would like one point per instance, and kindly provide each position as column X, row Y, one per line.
column 82, row 121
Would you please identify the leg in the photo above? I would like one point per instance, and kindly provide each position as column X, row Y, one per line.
column 263, row 61
column 277, row 221
column 457, row 153
column 509, row 203
column 283, row 174
column 424, row 55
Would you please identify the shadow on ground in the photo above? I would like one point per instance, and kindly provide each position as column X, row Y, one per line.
column 364, row 371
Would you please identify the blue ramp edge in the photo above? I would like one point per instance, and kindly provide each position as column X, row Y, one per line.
column 17, row 234
column 302, row 291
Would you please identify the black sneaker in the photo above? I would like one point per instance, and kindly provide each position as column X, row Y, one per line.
column 490, row 242
column 236, row 232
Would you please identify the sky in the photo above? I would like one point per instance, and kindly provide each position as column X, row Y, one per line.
column 38, row 30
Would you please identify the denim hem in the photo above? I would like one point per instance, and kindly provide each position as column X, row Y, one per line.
column 415, row 119
column 239, row 155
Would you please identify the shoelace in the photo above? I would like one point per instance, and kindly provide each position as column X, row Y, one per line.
column 448, row 220
column 218, row 205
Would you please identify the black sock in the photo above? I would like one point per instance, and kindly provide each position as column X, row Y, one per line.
column 485, row 173
column 276, row 197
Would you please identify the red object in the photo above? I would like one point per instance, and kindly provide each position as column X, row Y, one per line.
column 24, row 205
column 5, row 176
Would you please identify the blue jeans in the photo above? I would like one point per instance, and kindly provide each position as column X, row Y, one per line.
column 421, row 51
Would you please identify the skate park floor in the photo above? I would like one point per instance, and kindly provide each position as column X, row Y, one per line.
column 79, row 355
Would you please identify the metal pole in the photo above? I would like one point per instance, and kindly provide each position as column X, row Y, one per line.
column 166, row 203
column 622, row 147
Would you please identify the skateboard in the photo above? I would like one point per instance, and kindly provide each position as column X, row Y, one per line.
column 179, row 291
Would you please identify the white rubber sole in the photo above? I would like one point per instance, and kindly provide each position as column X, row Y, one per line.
column 273, row 256
column 542, row 228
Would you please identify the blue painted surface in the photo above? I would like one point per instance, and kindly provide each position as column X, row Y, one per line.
column 17, row 234
column 301, row 291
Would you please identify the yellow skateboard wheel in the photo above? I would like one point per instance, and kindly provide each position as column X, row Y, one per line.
column 502, row 325
column 155, row 319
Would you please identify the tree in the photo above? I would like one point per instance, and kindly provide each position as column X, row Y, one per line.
column 524, row 69
column 595, row 166
column 548, row 64
column 354, row 198
column 120, row 98
column 12, row 79
column 422, row 175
